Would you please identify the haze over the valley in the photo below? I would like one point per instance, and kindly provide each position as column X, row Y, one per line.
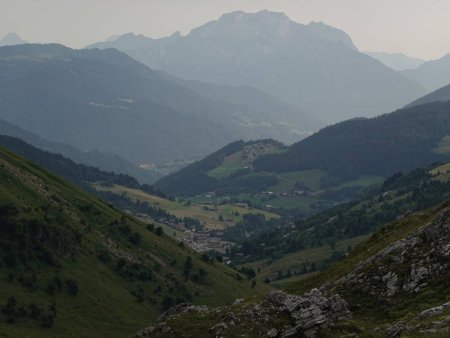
column 224, row 168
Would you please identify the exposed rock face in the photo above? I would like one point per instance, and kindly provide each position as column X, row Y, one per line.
column 305, row 314
column 425, row 253
column 311, row 312
column 181, row 309
column 272, row 333
column 421, row 324
column 438, row 326
column 434, row 311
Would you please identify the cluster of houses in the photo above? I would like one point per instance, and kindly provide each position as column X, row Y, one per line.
column 200, row 241
column 206, row 241
column 272, row 194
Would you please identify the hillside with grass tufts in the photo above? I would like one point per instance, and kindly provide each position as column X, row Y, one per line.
column 72, row 263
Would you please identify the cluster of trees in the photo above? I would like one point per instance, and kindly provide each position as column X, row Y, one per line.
column 248, row 183
column 131, row 271
column 23, row 240
column 197, row 276
column 56, row 285
column 251, row 224
column 190, row 272
column 306, row 268
column 13, row 311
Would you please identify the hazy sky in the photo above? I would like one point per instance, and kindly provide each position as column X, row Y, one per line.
column 419, row 28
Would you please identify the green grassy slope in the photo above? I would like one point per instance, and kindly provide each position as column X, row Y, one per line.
column 105, row 273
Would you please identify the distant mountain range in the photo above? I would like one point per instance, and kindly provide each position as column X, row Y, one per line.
column 315, row 66
column 396, row 61
column 11, row 39
column 106, row 101
column 431, row 75
column 281, row 121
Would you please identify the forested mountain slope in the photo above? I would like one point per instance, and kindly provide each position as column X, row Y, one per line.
column 402, row 140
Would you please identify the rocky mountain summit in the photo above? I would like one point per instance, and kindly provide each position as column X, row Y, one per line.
column 315, row 66
column 277, row 315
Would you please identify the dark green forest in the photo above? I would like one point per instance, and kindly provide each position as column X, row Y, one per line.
column 402, row 140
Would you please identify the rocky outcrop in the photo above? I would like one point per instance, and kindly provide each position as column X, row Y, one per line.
column 406, row 265
column 438, row 326
column 422, row 324
column 397, row 329
column 311, row 312
column 303, row 316
column 434, row 311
